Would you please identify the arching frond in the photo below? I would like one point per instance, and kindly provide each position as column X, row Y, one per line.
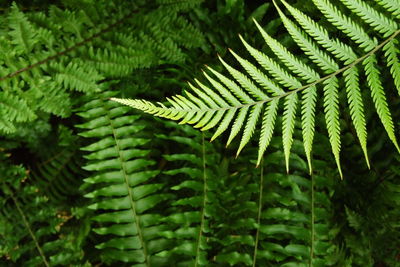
column 238, row 103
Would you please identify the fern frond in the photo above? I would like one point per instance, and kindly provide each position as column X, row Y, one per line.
column 348, row 26
column 47, row 54
column 341, row 50
column 392, row 56
column 331, row 108
column 13, row 109
column 195, row 201
column 391, row 5
column 374, row 18
column 241, row 101
column 121, row 186
column 379, row 97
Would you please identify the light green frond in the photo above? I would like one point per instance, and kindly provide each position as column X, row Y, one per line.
column 236, row 90
column 377, row 20
column 308, row 103
column 245, row 82
column 288, row 121
column 237, row 125
column 291, row 62
column 379, row 97
column 392, row 54
column 348, row 26
column 250, row 126
column 267, row 127
column 392, row 6
column 341, row 50
column 275, row 70
column 331, row 108
column 235, row 104
column 324, row 61
column 356, row 106
column 258, row 76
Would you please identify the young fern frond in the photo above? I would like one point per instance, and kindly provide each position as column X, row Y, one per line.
column 257, row 91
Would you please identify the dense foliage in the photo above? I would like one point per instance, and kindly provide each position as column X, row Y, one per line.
column 86, row 181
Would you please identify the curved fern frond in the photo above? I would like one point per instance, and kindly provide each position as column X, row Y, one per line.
column 256, row 91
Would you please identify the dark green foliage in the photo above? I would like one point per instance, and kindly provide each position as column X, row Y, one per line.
column 85, row 181
column 192, row 167
column 31, row 227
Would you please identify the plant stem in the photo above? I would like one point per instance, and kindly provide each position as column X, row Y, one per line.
column 259, row 212
column 204, row 202
column 45, row 262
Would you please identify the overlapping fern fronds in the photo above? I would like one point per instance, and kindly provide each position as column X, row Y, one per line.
column 296, row 217
column 255, row 94
column 46, row 55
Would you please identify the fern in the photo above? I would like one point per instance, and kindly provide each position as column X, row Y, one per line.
column 59, row 174
column 241, row 103
column 46, row 55
column 297, row 209
column 122, row 187
column 31, row 227
column 195, row 203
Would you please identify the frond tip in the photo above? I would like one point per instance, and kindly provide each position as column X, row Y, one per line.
column 239, row 101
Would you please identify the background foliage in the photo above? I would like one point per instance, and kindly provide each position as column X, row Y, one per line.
column 87, row 182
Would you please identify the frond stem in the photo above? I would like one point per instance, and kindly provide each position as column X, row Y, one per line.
column 204, row 202
column 312, row 221
column 259, row 211
column 27, row 225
